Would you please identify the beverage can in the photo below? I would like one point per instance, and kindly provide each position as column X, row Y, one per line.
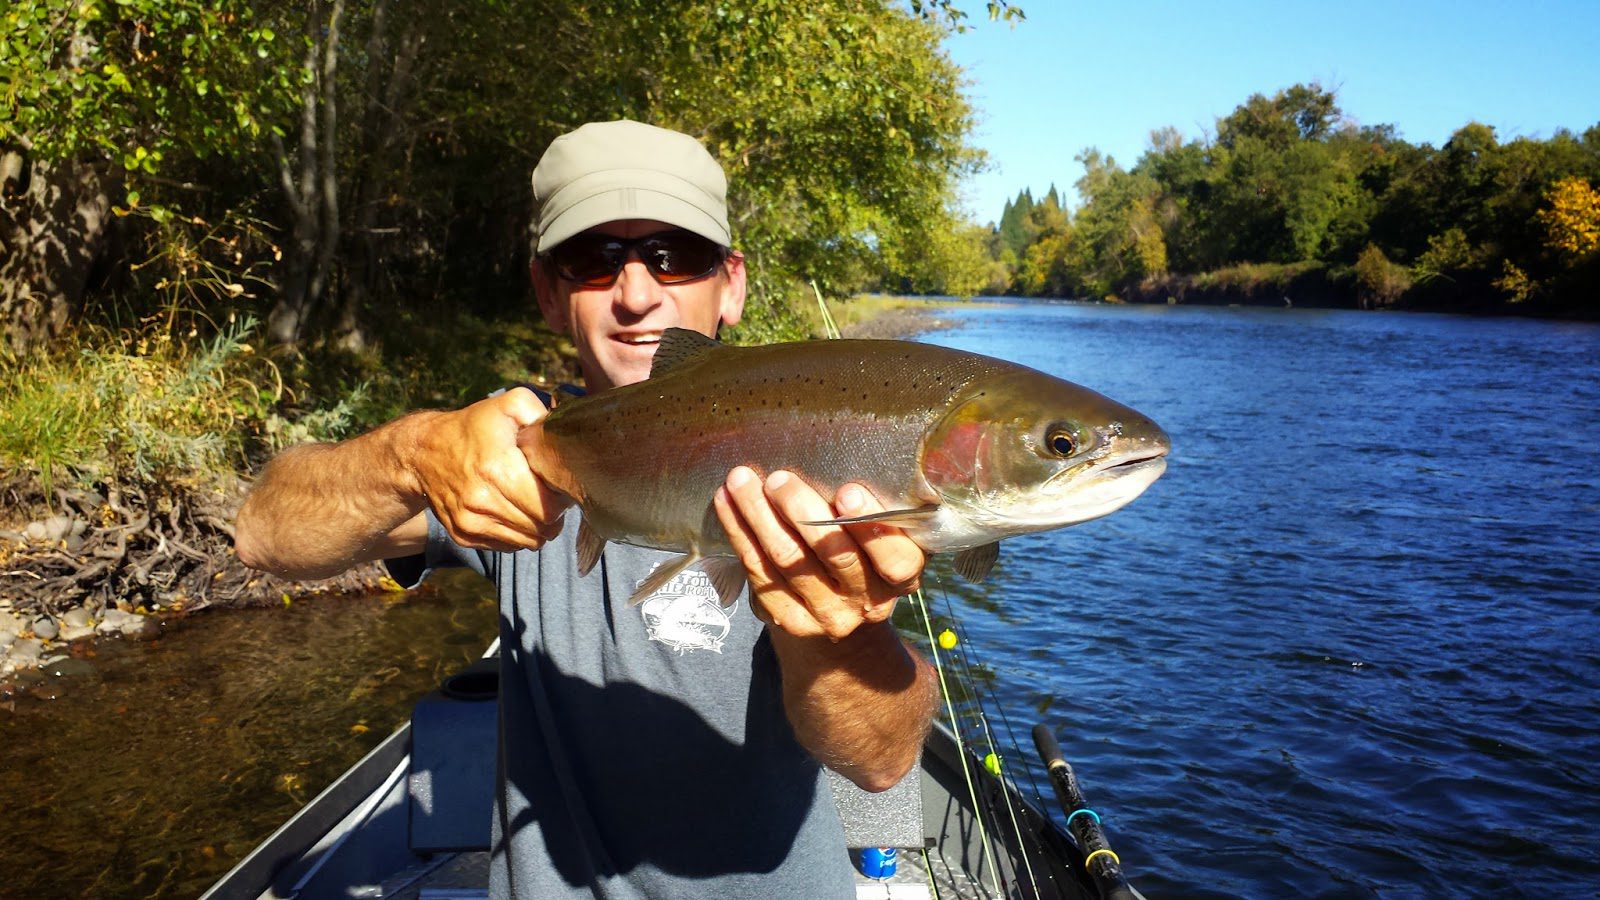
column 878, row 862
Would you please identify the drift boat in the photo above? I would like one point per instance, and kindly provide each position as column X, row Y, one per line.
column 411, row 821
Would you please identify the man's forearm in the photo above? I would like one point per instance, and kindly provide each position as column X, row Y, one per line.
column 319, row 509
column 861, row 706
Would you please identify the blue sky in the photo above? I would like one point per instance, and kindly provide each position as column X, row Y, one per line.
column 1105, row 74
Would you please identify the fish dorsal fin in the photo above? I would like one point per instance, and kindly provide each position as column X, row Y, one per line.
column 679, row 346
column 974, row 564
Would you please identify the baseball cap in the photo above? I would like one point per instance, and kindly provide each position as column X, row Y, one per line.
column 606, row 171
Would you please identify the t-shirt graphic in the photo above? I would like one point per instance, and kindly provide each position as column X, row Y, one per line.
column 685, row 615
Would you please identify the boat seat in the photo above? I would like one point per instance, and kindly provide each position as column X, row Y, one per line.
column 452, row 777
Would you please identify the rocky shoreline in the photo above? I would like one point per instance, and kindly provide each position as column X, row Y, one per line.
column 899, row 322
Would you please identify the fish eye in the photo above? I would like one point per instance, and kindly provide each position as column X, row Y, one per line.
column 1060, row 442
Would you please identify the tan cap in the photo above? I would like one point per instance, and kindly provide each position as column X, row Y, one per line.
column 606, row 171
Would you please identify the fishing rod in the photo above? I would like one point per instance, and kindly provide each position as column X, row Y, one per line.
column 1101, row 863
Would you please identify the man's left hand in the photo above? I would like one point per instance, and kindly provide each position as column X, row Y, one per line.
column 815, row 580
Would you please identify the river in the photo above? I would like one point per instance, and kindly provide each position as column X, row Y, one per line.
column 1348, row 645
column 153, row 768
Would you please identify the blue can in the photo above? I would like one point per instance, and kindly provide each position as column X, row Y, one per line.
column 878, row 862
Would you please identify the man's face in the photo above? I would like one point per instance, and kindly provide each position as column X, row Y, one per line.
column 616, row 328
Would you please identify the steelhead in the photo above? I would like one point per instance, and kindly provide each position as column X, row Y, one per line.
column 961, row 449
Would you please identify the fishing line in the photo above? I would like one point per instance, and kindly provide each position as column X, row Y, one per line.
column 968, row 656
column 955, row 727
column 994, row 701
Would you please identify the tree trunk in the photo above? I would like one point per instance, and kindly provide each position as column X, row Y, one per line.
column 313, row 191
column 52, row 229
column 390, row 66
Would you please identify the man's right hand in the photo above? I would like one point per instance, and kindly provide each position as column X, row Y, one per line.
column 468, row 466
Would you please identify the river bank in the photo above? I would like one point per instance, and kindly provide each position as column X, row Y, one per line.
column 1316, row 286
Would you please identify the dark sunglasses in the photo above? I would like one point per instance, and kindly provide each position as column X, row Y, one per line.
column 673, row 257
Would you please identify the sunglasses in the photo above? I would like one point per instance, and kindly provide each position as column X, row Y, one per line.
column 673, row 257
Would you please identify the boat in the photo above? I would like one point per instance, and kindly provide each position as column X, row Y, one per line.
column 410, row 821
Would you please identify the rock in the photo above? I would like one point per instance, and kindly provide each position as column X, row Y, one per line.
column 142, row 628
column 76, row 624
column 66, row 667
column 7, row 638
column 113, row 621
column 76, row 632
column 129, row 625
column 26, row 651
column 52, row 529
column 10, row 623
column 43, row 627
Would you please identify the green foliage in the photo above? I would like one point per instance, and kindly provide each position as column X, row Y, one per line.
column 1381, row 281
column 841, row 123
column 138, row 82
column 1289, row 185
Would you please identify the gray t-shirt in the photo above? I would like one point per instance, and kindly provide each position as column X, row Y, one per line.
column 644, row 750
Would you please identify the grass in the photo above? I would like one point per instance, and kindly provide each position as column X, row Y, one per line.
column 1252, row 276
column 129, row 407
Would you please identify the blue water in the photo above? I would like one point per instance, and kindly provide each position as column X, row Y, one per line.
column 1349, row 644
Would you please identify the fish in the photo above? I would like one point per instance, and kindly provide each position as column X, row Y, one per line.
column 961, row 449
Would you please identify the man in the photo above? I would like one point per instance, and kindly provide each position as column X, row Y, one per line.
column 668, row 749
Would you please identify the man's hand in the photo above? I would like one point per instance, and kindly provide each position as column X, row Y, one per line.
column 478, row 480
column 858, row 698
column 815, row 580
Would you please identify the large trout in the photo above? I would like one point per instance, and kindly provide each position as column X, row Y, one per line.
column 961, row 449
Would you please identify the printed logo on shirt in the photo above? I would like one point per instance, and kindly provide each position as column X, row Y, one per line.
column 685, row 615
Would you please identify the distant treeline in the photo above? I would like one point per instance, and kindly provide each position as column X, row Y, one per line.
column 1289, row 200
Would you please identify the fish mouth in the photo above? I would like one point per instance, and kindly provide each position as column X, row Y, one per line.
column 1154, row 460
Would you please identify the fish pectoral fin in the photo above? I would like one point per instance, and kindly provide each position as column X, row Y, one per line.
column 663, row 574
column 727, row 576
column 974, row 564
column 590, row 546
column 888, row 516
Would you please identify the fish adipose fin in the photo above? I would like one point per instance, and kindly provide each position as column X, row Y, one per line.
column 888, row 516
column 678, row 346
column 590, row 546
column 974, row 564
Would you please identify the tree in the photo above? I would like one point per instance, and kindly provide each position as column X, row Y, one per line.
column 100, row 98
column 1572, row 220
